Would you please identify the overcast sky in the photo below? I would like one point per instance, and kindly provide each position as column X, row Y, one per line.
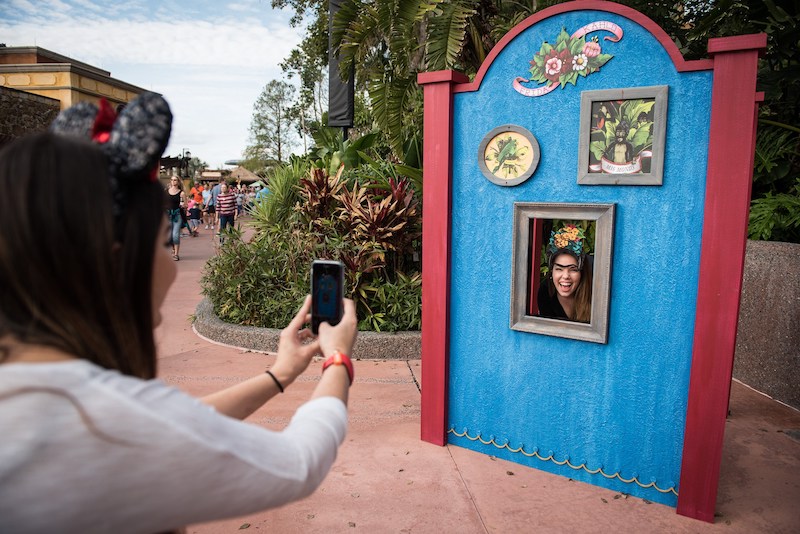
column 210, row 59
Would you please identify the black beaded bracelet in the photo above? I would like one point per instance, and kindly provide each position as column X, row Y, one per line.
column 277, row 383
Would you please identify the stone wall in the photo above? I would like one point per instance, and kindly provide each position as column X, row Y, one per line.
column 22, row 113
column 768, row 337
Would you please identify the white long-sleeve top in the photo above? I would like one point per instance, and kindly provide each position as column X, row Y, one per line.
column 85, row 449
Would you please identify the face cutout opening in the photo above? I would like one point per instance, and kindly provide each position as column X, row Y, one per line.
column 562, row 269
column 561, row 263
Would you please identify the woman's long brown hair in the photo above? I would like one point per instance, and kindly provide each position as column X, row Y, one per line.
column 71, row 276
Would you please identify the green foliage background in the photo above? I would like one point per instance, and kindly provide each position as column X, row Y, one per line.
column 389, row 43
column 368, row 218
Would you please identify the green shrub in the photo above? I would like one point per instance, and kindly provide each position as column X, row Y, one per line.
column 369, row 223
column 258, row 283
column 775, row 209
column 776, row 217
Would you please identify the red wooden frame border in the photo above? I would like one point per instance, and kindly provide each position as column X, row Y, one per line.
column 437, row 176
column 728, row 185
column 727, row 204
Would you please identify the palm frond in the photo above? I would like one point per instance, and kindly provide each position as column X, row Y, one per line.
column 446, row 35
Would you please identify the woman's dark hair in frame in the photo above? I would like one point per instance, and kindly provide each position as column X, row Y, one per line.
column 72, row 276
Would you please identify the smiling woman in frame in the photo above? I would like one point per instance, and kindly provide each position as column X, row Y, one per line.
column 566, row 292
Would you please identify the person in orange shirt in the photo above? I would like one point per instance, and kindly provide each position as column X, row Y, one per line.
column 197, row 193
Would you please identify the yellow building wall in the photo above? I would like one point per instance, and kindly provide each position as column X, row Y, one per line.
column 66, row 86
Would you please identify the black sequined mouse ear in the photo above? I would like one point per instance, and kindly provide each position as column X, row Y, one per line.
column 139, row 136
column 76, row 121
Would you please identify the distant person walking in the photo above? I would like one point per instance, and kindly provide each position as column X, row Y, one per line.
column 194, row 218
column 175, row 205
column 262, row 194
column 239, row 201
column 213, row 209
column 197, row 193
column 226, row 208
column 207, row 216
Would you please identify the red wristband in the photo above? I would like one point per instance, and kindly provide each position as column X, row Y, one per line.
column 339, row 358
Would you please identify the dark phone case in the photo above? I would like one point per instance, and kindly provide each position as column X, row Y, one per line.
column 327, row 293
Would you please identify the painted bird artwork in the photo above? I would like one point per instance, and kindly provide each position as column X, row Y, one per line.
column 507, row 151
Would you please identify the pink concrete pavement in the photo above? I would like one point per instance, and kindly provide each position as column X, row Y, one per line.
column 386, row 480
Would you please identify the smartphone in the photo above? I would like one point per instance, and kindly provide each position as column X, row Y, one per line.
column 327, row 293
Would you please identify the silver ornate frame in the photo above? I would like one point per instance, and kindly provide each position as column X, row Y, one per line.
column 597, row 330
column 656, row 174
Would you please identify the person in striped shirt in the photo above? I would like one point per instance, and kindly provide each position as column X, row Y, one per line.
column 226, row 207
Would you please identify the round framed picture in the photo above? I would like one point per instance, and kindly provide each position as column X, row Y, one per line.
column 508, row 155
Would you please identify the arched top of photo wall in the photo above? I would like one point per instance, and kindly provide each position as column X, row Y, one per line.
column 681, row 64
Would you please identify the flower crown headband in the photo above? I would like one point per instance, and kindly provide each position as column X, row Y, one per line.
column 569, row 239
column 133, row 141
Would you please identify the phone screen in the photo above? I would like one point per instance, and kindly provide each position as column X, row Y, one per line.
column 327, row 281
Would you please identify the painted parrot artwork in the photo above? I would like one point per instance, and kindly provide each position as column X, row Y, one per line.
column 507, row 152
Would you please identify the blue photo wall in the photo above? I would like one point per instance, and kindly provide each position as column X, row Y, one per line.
column 610, row 414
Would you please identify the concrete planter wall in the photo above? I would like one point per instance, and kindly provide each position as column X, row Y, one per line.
column 768, row 334
column 369, row 345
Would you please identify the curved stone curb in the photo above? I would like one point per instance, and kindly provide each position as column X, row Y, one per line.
column 369, row 345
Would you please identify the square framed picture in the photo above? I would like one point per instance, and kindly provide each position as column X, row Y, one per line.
column 561, row 270
column 622, row 135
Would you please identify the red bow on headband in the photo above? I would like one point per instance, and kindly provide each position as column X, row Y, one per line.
column 101, row 129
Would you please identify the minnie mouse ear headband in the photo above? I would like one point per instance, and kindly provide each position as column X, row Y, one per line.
column 567, row 240
column 133, row 141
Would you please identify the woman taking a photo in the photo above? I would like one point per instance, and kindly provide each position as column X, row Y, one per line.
column 92, row 442
column 566, row 292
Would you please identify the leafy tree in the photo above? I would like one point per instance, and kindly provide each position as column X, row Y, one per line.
column 271, row 126
column 309, row 63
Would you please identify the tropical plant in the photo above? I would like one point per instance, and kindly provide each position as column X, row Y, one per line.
column 278, row 206
column 374, row 231
column 259, row 283
column 333, row 151
column 775, row 209
column 776, row 217
column 319, row 198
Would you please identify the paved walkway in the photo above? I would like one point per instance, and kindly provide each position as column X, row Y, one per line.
column 386, row 480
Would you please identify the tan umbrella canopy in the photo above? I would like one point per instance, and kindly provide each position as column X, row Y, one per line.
column 240, row 174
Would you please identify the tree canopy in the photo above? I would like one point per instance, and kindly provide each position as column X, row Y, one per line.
column 271, row 126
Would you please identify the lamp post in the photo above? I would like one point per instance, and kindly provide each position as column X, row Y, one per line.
column 186, row 157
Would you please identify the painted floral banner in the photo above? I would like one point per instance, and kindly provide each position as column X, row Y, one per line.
column 571, row 57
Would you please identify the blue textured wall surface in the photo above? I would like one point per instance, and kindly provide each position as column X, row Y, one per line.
column 620, row 406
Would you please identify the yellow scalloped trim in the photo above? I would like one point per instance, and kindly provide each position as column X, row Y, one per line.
column 564, row 462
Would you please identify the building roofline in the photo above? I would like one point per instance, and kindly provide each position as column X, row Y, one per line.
column 63, row 64
column 56, row 57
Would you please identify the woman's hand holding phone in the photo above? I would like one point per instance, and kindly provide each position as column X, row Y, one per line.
column 294, row 349
column 297, row 345
column 341, row 337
